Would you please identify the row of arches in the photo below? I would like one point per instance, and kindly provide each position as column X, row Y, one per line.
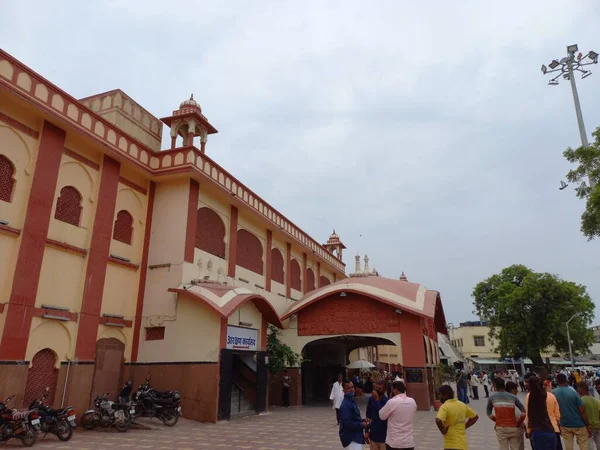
column 211, row 238
column 69, row 205
column 69, row 208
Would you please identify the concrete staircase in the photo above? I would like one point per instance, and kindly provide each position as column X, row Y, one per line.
column 240, row 406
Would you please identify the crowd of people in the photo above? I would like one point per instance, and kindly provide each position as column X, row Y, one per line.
column 556, row 409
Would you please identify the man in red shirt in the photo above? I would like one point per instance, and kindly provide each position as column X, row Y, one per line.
column 501, row 408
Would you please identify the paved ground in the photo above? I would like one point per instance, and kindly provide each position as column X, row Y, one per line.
column 300, row 428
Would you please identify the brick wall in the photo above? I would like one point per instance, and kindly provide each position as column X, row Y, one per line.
column 7, row 181
column 68, row 206
column 347, row 315
column 249, row 252
column 277, row 273
column 210, row 232
column 310, row 280
column 295, row 271
column 123, row 229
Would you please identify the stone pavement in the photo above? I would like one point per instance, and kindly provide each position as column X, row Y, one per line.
column 299, row 428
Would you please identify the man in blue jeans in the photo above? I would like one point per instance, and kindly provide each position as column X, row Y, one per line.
column 574, row 422
column 462, row 386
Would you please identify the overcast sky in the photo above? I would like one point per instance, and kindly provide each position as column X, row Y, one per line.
column 425, row 127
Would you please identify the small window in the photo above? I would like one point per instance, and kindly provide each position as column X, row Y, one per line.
column 7, row 179
column 155, row 333
column 68, row 206
column 123, row 227
column 479, row 341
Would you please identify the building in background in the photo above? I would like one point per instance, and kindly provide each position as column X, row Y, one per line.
column 123, row 259
column 473, row 340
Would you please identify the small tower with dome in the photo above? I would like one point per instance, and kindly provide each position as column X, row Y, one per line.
column 189, row 122
column 334, row 245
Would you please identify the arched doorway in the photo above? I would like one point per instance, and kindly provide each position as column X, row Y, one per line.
column 41, row 374
column 325, row 358
column 109, row 367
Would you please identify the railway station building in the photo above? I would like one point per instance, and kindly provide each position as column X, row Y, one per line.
column 120, row 258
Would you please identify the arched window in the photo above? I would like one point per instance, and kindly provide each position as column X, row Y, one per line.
column 310, row 280
column 210, row 232
column 68, row 206
column 277, row 273
column 7, row 179
column 324, row 281
column 249, row 252
column 295, row 273
column 123, row 229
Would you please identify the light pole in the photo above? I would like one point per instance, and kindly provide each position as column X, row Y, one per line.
column 566, row 68
column 569, row 339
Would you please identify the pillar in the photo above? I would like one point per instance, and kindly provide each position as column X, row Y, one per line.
column 143, row 273
column 268, row 259
column 33, row 243
column 95, row 276
column 232, row 255
column 192, row 216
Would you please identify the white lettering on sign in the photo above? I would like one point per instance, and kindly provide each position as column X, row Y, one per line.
column 239, row 338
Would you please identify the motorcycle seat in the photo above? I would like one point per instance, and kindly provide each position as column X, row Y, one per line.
column 59, row 412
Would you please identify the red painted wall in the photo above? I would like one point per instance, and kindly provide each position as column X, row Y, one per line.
column 348, row 315
column 413, row 350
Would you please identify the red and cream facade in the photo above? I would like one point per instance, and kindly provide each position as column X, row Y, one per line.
column 114, row 251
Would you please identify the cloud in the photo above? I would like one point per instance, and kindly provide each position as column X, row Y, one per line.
column 427, row 128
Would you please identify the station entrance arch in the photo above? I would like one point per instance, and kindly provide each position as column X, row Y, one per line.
column 327, row 356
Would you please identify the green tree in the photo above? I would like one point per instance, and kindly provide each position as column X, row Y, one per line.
column 280, row 355
column 588, row 161
column 528, row 311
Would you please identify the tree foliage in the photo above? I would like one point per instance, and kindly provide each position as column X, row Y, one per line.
column 280, row 355
column 588, row 165
column 528, row 311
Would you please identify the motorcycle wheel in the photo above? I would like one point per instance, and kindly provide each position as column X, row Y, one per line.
column 170, row 417
column 28, row 437
column 64, row 432
column 123, row 425
column 89, row 421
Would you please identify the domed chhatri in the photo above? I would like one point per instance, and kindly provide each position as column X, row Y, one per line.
column 190, row 103
column 189, row 122
column 334, row 245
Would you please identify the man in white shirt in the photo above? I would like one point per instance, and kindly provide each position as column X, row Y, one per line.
column 400, row 412
column 486, row 382
column 475, row 386
column 337, row 396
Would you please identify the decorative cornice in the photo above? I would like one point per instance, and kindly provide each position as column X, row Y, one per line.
column 129, row 265
column 66, row 247
column 19, row 126
column 82, row 159
column 5, row 229
column 132, row 185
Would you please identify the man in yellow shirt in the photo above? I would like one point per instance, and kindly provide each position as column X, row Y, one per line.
column 453, row 419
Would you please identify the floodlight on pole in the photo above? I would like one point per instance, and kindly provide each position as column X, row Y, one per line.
column 566, row 68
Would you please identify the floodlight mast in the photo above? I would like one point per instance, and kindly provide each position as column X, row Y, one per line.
column 566, row 68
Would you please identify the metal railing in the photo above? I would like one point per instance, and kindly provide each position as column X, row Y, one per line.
column 240, row 394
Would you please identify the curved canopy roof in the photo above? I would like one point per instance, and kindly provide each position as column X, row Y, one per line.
column 407, row 296
column 225, row 300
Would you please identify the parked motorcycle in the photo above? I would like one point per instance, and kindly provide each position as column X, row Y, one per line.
column 59, row 422
column 22, row 425
column 107, row 413
column 148, row 402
